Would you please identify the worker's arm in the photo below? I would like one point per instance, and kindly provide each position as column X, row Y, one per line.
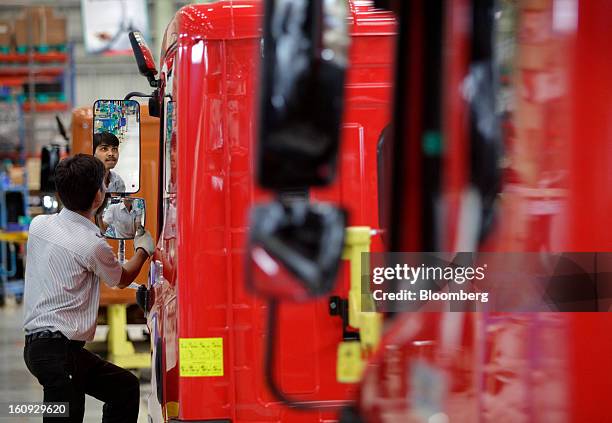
column 132, row 267
column 144, row 248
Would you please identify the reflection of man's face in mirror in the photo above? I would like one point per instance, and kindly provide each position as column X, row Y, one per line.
column 106, row 148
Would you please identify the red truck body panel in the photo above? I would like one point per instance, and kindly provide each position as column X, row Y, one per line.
column 210, row 63
column 518, row 367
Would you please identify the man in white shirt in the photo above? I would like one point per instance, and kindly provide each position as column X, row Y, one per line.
column 122, row 219
column 106, row 148
column 67, row 257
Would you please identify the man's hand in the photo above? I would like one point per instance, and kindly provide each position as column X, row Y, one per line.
column 144, row 240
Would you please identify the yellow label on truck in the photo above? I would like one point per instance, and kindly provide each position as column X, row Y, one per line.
column 200, row 357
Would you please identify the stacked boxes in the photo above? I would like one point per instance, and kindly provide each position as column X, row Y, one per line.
column 38, row 27
column 39, row 30
column 6, row 33
column 21, row 35
column 56, row 33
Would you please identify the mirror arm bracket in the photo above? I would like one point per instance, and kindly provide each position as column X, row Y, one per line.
column 154, row 107
column 136, row 94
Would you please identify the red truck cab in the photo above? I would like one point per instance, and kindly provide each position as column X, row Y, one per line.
column 207, row 330
column 551, row 199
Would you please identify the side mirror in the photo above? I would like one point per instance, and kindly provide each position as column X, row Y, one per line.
column 116, row 142
column 305, row 55
column 122, row 217
column 294, row 250
column 144, row 58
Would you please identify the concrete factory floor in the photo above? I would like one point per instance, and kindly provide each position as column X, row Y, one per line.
column 18, row 385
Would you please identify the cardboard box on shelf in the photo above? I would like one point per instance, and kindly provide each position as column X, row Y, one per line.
column 17, row 175
column 6, row 35
column 39, row 26
column 21, row 29
column 38, row 18
column 37, row 31
column 51, row 27
column 33, row 169
column 56, row 31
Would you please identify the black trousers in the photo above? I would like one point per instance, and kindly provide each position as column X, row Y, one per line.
column 67, row 372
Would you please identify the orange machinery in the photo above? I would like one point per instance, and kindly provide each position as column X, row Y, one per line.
column 82, row 142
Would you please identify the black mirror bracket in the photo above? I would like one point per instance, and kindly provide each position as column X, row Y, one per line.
column 338, row 306
column 154, row 103
column 132, row 94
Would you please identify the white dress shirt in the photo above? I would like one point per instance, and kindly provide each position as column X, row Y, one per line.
column 66, row 257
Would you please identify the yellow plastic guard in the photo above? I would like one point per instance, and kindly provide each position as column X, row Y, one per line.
column 120, row 350
column 350, row 365
column 361, row 314
column 357, row 241
column 200, row 357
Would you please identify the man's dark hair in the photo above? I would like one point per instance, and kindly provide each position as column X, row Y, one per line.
column 105, row 138
column 77, row 180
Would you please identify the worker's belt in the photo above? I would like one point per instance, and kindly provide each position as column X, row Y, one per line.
column 47, row 334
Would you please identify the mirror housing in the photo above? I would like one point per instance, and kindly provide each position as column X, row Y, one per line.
column 122, row 217
column 155, row 104
column 294, row 250
column 116, row 125
column 305, row 56
column 143, row 56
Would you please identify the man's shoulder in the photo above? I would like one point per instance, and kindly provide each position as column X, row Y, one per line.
column 40, row 219
column 41, row 222
column 116, row 176
column 76, row 238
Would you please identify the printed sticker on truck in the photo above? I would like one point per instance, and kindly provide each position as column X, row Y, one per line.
column 201, row 357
